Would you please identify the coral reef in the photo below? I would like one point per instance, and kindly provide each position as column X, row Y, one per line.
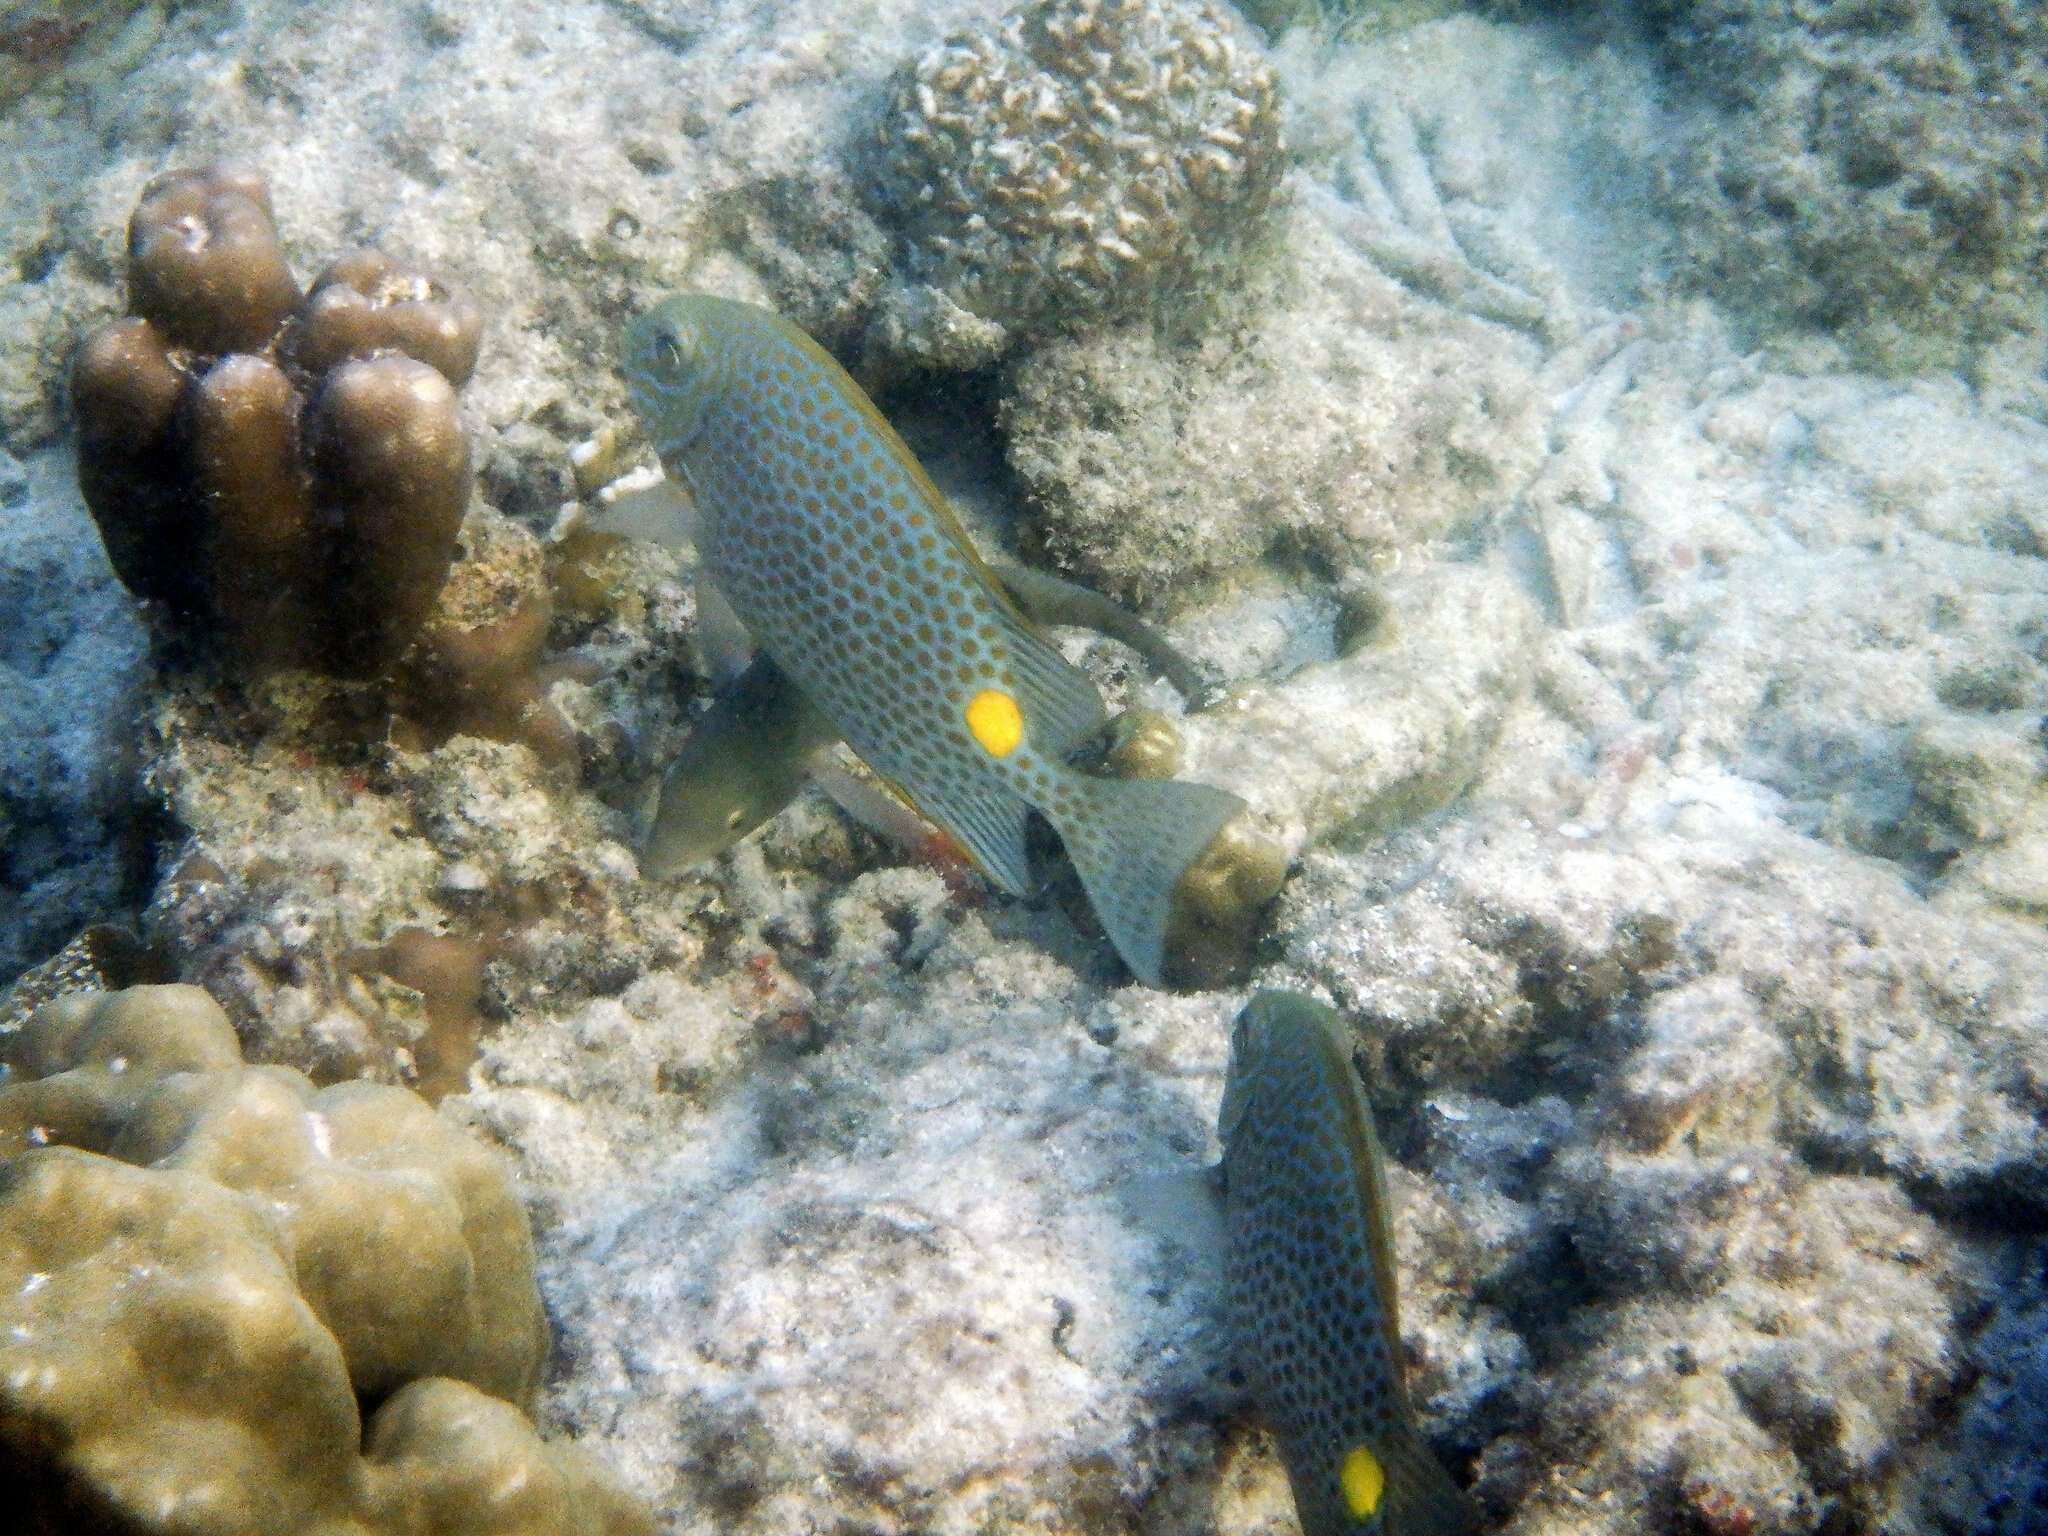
column 1662, row 1046
column 884, row 1248
column 1999, row 1488
column 268, row 1255
column 42, row 43
column 1352, row 18
column 311, row 471
column 1870, row 173
column 1072, row 161
column 1775, row 1398
column 1653, row 724
column 274, row 907
column 1402, row 725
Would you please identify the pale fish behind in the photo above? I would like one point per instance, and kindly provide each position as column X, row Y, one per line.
column 1311, row 1279
column 847, row 566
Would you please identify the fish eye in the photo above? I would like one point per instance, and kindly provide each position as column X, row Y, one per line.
column 670, row 347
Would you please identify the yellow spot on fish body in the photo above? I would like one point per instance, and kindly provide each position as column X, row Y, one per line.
column 996, row 722
column 1364, row 1480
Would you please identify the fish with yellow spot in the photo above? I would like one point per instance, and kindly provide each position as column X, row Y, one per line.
column 820, row 530
column 1311, row 1279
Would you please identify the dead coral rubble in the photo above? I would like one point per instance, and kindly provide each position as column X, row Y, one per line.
column 205, row 1266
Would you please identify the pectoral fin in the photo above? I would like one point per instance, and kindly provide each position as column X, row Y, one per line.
column 724, row 648
column 657, row 510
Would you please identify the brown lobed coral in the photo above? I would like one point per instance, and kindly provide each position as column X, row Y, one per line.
column 287, row 472
column 1078, row 157
column 206, row 1266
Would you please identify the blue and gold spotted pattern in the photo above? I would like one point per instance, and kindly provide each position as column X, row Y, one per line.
column 1311, row 1268
column 832, row 545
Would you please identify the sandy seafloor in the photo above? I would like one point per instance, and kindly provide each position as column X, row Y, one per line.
column 1676, row 838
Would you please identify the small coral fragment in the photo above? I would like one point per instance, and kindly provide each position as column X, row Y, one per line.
column 1143, row 744
column 447, row 970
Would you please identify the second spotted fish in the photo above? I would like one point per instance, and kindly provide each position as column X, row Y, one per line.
column 1311, row 1280
column 846, row 566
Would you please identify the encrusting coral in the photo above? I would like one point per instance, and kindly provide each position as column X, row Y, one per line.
column 206, row 1266
column 1073, row 160
column 307, row 467
column 1868, row 172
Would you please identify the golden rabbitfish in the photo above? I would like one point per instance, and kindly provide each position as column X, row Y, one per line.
column 1311, row 1279
column 843, row 561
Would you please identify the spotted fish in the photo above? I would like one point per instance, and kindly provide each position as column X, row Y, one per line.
column 1311, row 1279
column 841, row 558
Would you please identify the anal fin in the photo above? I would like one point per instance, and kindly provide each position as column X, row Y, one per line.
column 990, row 820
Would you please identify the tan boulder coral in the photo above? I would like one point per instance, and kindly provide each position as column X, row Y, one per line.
column 208, row 1265
column 1073, row 160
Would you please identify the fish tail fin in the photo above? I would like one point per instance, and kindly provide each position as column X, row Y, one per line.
column 1420, row 1499
column 1130, row 841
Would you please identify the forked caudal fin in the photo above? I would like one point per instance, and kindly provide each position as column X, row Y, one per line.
column 1130, row 841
